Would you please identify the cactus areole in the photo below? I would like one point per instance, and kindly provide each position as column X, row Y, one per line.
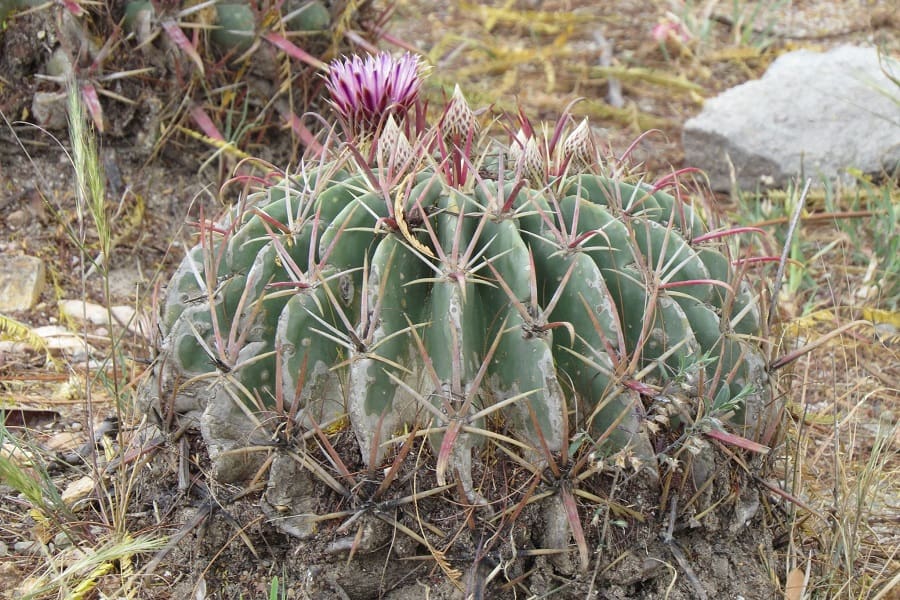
column 432, row 278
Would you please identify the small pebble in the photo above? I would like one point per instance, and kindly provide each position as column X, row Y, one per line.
column 61, row 540
column 17, row 219
column 26, row 547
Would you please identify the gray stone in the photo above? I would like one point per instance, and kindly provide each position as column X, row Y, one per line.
column 18, row 219
column 811, row 114
column 27, row 547
column 290, row 497
column 126, row 282
column 49, row 109
column 22, row 279
column 62, row 540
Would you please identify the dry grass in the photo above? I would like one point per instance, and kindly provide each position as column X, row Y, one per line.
column 843, row 396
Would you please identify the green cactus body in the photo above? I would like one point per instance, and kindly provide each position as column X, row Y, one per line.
column 638, row 200
column 456, row 310
column 454, row 337
column 312, row 16
column 588, row 360
column 236, row 23
column 236, row 26
column 186, row 287
column 193, row 358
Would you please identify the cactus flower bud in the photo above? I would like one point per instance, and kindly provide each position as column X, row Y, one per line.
column 578, row 148
column 525, row 154
column 458, row 118
column 394, row 150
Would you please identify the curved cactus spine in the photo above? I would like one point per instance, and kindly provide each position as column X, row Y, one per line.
column 638, row 200
column 656, row 328
column 307, row 343
column 454, row 337
column 197, row 330
column 732, row 370
column 573, row 287
column 290, row 254
column 385, row 357
column 743, row 313
column 523, row 340
column 186, row 287
column 672, row 259
column 605, row 238
column 249, row 238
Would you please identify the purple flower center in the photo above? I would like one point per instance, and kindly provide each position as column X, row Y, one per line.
column 365, row 90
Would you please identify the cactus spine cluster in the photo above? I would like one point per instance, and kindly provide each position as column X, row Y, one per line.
column 430, row 277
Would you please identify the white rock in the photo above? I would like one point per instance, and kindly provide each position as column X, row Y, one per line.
column 95, row 314
column 81, row 311
column 62, row 340
column 811, row 114
column 78, row 490
column 22, row 279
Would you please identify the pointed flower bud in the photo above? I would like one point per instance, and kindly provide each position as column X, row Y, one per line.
column 516, row 148
column 533, row 163
column 578, row 148
column 525, row 154
column 458, row 118
column 365, row 90
column 394, row 150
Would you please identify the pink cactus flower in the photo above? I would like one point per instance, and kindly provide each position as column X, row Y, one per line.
column 365, row 90
column 670, row 30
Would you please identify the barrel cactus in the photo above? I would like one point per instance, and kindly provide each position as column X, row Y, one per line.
column 418, row 279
